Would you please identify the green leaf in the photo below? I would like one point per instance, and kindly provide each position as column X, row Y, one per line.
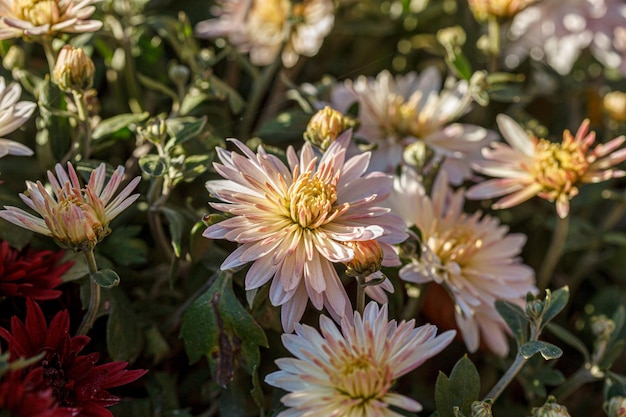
column 124, row 337
column 515, row 318
column 555, row 302
column 460, row 390
column 196, row 165
column 569, row 338
column 183, row 129
column 611, row 354
column 106, row 278
column 124, row 246
column 547, row 350
column 618, row 319
column 117, row 123
column 154, row 165
column 218, row 327
column 176, row 223
column 223, row 90
column 157, row 86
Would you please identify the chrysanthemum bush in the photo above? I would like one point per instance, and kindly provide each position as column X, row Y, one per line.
column 312, row 208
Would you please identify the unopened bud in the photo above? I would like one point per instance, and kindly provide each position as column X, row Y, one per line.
column 534, row 309
column 74, row 70
column 502, row 9
column 368, row 258
column 179, row 74
column 325, row 126
column 154, row 130
column 614, row 104
column 14, row 59
column 602, row 327
column 453, row 36
column 550, row 409
column 417, row 155
column 616, row 407
column 481, row 409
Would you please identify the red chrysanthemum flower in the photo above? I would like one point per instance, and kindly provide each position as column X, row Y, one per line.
column 32, row 274
column 75, row 380
column 25, row 395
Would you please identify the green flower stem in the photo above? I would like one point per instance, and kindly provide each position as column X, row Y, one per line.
column 554, row 253
column 85, row 125
column 493, row 28
column 51, row 57
column 261, row 86
column 94, row 295
column 360, row 294
column 581, row 377
column 515, row 367
column 506, row 379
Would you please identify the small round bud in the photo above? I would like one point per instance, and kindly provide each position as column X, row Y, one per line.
column 481, row 409
column 417, row 155
column 550, row 409
column 325, row 126
column 179, row 74
column 502, row 9
column 155, row 130
column 615, row 407
column 614, row 104
column 453, row 36
column 534, row 309
column 74, row 70
column 602, row 327
column 14, row 59
column 368, row 258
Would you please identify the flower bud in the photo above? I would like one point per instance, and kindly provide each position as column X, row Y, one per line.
column 534, row 309
column 616, row 407
column 550, row 409
column 325, row 126
column 502, row 9
column 368, row 258
column 14, row 59
column 179, row 74
column 154, row 130
column 74, row 70
column 481, row 409
column 602, row 327
column 614, row 104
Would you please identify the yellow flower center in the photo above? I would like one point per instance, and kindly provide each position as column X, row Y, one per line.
column 37, row 12
column 361, row 378
column 456, row 245
column 74, row 233
column 311, row 201
column 557, row 167
column 406, row 119
column 267, row 18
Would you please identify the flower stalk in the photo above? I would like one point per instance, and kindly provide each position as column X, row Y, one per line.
column 555, row 250
column 94, row 295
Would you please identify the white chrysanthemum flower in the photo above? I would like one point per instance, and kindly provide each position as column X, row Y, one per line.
column 395, row 112
column 30, row 18
column 557, row 31
column 351, row 372
column 538, row 167
column 472, row 256
column 294, row 222
column 13, row 114
column 262, row 27
column 76, row 217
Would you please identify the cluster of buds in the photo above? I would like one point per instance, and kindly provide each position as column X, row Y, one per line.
column 74, row 70
column 325, row 127
column 501, row 9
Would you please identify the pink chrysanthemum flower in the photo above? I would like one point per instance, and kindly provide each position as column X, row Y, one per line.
column 31, row 18
column 76, row 217
column 550, row 170
column 13, row 114
column 473, row 257
column 351, row 372
column 558, row 31
column 395, row 112
column 293, row 221
column 264, row 28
